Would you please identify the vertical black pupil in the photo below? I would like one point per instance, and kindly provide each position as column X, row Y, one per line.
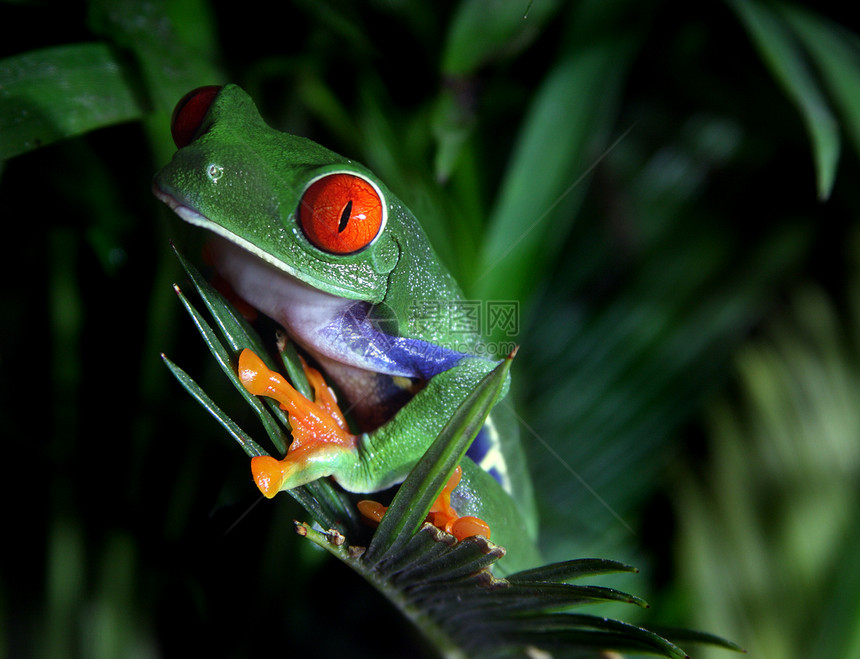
column 344, row 216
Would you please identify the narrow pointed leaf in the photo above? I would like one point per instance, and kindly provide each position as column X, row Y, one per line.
column 249, row 445
column 423, row 485
column 240, row 335
column 575, row 569
column 234, row 327
column 581, row 640
column 536, row 205
column 687, row 636
column 786, row 62
column 424, row 546
column 558, row 623
column 838, row 60
column 486, row 29
column 322, row 508
column 225, row 361
column 329, row 506
column 524, row 599
column 465, row 558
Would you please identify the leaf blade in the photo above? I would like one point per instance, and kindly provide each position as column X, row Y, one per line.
column 837, row 61
column 420, row 489
column 54, row 93
column 787, row 64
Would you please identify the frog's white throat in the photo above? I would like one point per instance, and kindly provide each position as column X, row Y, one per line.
column 335, row 331
column 301, row 309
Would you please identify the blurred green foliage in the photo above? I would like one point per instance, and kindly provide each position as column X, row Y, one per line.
column 654, row 182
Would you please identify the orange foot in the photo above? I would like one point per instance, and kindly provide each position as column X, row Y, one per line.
column 318, row 426
column 442, row 514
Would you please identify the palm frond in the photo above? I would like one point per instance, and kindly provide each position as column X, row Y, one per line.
column 451, row 590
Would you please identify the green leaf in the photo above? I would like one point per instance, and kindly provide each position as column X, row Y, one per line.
column 483, row 30
column 835, row 52
column 621, row 635
column 424, row 483
column 51, row 94
column 530, row 598
column 584, row 643
column 249, row 445
column 226, row 362
column 465, row 558
column 567, row 570
column 172, row 43
column 696, row 637
column 787, row 63
column 536, row 203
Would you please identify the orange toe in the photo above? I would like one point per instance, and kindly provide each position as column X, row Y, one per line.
column 268, row 474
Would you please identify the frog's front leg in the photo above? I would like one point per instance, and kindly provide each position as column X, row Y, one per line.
column 322, row 443
column 322, row 446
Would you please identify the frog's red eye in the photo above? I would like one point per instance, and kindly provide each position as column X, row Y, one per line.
column 341, row 213
column 189, row 112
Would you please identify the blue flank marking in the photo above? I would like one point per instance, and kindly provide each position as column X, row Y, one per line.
column 383, row 353
column 481, row 446
column 486, row 452
column 412, row 358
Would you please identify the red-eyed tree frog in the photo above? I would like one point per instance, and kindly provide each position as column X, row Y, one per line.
column 319, row 244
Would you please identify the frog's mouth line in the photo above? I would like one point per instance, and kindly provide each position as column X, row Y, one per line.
column 196, row 218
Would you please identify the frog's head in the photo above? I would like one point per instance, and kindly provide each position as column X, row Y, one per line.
column 299, row 207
